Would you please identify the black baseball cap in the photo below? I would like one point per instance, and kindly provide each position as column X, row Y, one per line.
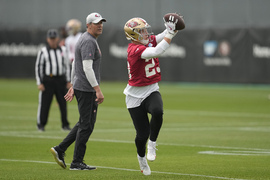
column 52, row 33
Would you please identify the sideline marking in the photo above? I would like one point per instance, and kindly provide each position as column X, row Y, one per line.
column 17, row 134
column 170, row 111
column 237, row 153
column 124, row 169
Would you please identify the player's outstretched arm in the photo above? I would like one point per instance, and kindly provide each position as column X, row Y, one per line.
column 152, row 52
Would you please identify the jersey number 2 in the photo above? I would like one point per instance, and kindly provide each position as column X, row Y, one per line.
column 149, row 70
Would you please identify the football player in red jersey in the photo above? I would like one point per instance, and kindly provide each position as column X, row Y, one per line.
column 142, row 91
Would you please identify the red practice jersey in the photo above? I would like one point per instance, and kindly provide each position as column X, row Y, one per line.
column 142, row 72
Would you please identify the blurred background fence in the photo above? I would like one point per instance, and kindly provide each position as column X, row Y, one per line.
column 224, row 40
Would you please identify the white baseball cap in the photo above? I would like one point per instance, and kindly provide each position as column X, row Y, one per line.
column 94, row 18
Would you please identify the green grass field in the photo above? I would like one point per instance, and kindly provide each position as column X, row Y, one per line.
column 210, row 131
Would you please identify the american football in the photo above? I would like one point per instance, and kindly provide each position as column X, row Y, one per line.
column 175, row 18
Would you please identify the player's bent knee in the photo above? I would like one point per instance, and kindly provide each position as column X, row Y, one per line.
column 157, row 112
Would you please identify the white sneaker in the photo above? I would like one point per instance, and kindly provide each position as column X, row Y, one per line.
column 145, row 169
column 151, row 152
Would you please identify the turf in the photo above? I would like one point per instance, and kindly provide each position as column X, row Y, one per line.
column 210, row 131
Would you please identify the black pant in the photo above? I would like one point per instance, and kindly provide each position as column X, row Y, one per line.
column 152, row 104
column 83, row 129
column 53, row 86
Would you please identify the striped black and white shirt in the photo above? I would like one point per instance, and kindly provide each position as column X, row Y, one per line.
column 52, row 62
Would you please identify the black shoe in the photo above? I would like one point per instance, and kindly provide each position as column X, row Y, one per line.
column 66, row 128
column 81, row 166
column 58, row 156
column 40, row 128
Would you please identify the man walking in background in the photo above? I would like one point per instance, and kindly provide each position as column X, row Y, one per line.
column 53, row 77
column 85, row 78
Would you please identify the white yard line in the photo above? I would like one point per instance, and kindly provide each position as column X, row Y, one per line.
column 125, row 169
column 166, row 111
column 236, row 153
column 196, row 113
column 20, row 134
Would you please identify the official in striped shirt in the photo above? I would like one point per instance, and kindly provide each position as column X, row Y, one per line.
column 53, row 78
